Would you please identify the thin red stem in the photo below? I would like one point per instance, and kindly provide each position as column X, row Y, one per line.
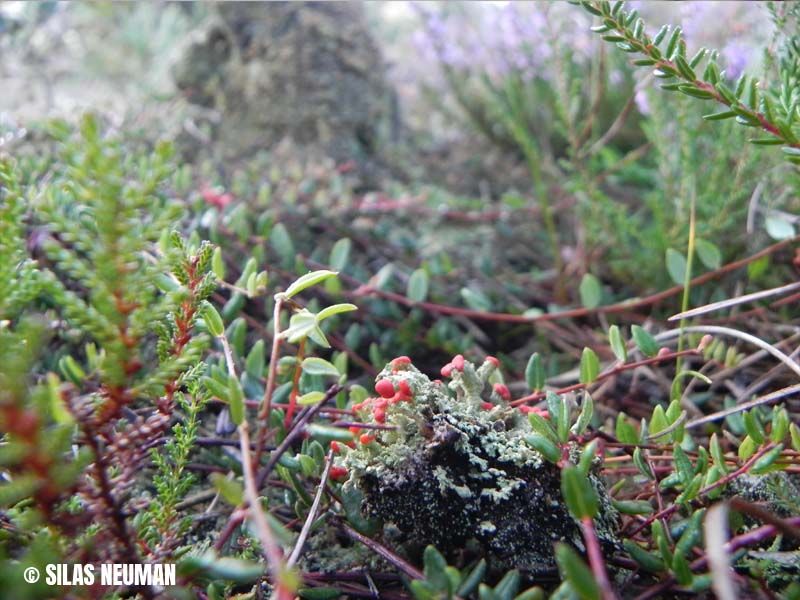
column 596, row 561
column 610, row 373
column 720, row 482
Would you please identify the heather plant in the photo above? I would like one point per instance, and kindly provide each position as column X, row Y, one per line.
column 129, row 344
column 771, row 110
column 576, row 113
column 503, row 80
column 18, row 275
column 684, row 182
column 655, row 225
column 768, row 106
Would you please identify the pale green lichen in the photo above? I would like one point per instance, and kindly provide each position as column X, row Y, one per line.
column 487, row 527
column 446, row 483
column 481, row 436
column 456, row 472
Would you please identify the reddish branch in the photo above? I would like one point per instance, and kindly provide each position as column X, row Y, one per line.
column 610, row 373
column 596, row 560
column 113, row 511
column 720, row 482
column 25, row 427
column 298, row 370
column 619, row 307
column 266, row 402
column 383, row 552
column 754, row 536
column 765, row 516
column 294, row 433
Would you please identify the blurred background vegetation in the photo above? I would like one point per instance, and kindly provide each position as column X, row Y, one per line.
column 488, row 156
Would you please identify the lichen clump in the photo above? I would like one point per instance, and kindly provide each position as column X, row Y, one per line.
column 449, row 466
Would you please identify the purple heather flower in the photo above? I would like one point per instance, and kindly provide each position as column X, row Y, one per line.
column 736, row 57
column 499, row 40
column 642, row 103
column 733, row 27
column 695, row 18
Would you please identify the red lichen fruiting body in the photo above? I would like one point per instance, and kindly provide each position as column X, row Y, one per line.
column 338, row 473
column 404, row 392
column 385, row 388
column 502, row 391
column 400, row 362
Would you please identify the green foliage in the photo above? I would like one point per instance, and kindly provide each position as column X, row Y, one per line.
column 575, row 573
column 18, row 276
column 37, row 449
column 443, row 582
column 105, row 222
column 773, row 110
column 591, row 291
column 109, row 433
column 632, row 189
column 617, row 345
column 130, row 292
column 418, row 285
column 161, row 525
column 534, row 373
column 645, row 342
column 578, row 493
column 590, row 366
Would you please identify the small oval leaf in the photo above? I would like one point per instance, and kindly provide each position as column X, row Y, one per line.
column 236, row 400
column 475, row 300
column 307, row 280
column 779, row 228
column 617, row 345
column 579, row 495
column 282, row 243
column 591, row 291
column 310, row 398
column 340, row 254
column 213, row 320
column 335, row 310
column 230, row 489
column 645, row 342
column 708, row 253
column 319, row 366
column 590, row 366
column 676, row 266
column 534, row 373
column 217, row 264
column 575, row 571
column 418, row 283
